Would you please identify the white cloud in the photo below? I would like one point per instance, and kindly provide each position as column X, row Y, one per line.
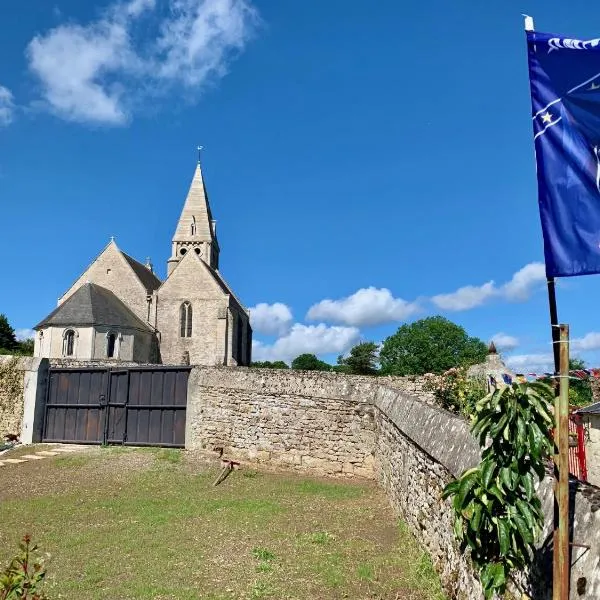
column 525, row 281
column 271, row 319
column 522, row 284
column 367, row 306
column 312, row 339
column 98, row 72
column 531, row 363
column 465, row 297
column 590, row 341
column 7, row 106
column 24, row 334
column 503, row 341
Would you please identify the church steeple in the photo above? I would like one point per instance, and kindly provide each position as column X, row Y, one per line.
column 196, row 229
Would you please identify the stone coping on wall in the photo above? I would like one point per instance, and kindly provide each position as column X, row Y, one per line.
column 439, row 433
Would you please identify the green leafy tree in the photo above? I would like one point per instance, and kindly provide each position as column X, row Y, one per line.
column 431, row 345
column 25, row 347
column 498, row 514
column 362, row 359
column 267, row 364
column 309, row 362
column 8, row 341
column 580, row 390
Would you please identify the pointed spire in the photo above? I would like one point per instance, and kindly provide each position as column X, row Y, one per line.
column 195, row 220
column 492, row 348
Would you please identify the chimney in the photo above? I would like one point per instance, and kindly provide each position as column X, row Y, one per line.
column 148, row 265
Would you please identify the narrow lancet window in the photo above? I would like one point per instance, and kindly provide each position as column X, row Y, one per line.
column 185, row 320
column 69, row 343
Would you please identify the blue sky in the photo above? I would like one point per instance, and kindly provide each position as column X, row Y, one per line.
column 368, row 163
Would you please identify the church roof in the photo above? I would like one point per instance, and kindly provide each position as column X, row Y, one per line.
column 92, row 304
column 196, row 211
column 149, row 280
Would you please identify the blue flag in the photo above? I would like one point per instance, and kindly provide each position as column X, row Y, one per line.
column 565, row 97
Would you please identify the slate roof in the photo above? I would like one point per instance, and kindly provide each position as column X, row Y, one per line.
column 149, row 280
column 592, row 409
column 92, row 304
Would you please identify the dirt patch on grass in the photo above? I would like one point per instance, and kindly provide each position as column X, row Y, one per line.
column 142, row 523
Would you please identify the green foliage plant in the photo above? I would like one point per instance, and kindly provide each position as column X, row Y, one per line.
column 431, row 345
column 309, row 362
column 23, row 577
column 267, row 364
column 362, row 360
column 8, row 341
column 498, row 514
column 456, row 392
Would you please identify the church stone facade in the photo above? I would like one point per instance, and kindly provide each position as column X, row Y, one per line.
column 120, row 310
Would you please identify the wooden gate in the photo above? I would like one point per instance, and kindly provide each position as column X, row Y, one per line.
column 137, row 406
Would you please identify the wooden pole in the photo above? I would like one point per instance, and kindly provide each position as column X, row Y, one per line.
column 562, row 568
column 555, row 329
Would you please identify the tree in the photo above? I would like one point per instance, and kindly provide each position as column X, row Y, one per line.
column 25, row 347
column 309, row 362
column 8, row 341
column 362, row 360
column 431, row 345
column 267, row 364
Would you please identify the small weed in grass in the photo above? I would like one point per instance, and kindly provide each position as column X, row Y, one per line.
column 260, row 589
column 365, row 571
column 169, row 455
column 321, row 537
column 250, row 474
column 263, row 554
column 264, row 567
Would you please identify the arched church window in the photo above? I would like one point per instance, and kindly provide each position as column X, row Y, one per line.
column 111, row 345
column 193, row 226
column 69, row 343
column 185, row 319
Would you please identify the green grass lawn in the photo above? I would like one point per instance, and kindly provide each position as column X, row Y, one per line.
column 130, row 523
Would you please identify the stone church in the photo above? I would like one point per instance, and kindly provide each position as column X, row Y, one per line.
column 120, row 310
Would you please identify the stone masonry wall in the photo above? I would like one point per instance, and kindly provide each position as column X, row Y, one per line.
column 11, row 396
column 291, row 419
column 327, row 423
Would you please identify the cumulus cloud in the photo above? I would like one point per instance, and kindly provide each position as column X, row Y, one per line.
column 367, row 306
column 312, row 339
column 522, row 284
column 465, row 297
column 502, row 341
column 99, row 71
column 24, row 334
column 7, row 106
column 534, row 363
column 590, row 341
column 271, row 319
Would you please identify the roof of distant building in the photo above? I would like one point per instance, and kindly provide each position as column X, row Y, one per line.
column 92, row 304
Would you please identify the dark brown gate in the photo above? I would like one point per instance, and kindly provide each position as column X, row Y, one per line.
column 138, row 406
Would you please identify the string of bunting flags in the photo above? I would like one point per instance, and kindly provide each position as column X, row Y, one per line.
column 580, row 374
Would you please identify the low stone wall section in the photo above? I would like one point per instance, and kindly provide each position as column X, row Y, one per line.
column 22, row 394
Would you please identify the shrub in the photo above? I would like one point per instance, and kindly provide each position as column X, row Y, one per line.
column 456, row 392
column 23, row 577
column 498, row 514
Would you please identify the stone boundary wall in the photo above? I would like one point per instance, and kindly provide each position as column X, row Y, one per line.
column 22, row 405
column 334, row 424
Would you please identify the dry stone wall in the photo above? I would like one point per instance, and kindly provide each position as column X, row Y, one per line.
column 11, row 396
column 389, row 430
column 22, row 394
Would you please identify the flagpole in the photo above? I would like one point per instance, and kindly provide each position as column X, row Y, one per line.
column 560, row 349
